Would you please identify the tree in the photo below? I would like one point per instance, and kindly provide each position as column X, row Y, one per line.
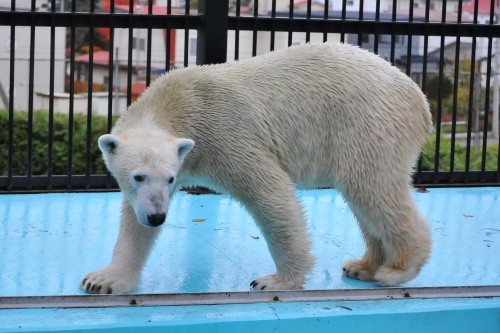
column 82, row 35
column 434, row 88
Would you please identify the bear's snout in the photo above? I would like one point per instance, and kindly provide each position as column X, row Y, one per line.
column 156, row 219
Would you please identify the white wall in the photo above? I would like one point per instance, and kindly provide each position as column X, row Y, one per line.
column 21, row 63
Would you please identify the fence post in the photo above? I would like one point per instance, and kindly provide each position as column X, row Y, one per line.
column 212, row 35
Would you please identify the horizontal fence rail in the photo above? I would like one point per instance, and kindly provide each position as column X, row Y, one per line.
column 70, row 68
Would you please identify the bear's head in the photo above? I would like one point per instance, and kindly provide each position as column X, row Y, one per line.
column 145, row 165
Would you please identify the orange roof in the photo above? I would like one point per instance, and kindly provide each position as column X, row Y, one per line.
column 483, row 7
column 139, row 9
column 301, row 3
column 138, row 88
column 99, row 58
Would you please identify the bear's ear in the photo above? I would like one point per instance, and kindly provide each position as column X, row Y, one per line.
column 108, row 144
column 184, row 146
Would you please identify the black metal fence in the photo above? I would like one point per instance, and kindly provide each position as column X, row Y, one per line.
column 70, row 67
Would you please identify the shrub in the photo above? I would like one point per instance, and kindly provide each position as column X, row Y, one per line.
column 429, row 153
column 60, row 144
column 99, row 125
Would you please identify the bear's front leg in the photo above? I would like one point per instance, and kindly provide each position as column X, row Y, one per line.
column 271, row 200
column 131, row 250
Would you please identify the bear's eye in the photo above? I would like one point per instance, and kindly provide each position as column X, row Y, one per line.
column 139, row 178
column 171, row 180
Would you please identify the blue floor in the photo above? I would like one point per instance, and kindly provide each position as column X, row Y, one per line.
column 48, row 242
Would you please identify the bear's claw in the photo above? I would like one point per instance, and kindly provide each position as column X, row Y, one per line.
column 254, row 285
column 274, row 282
column 109, row 281
column 358, row 270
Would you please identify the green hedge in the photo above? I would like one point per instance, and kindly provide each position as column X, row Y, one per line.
column 40, row 139
column 99, row 126
column 459, row 156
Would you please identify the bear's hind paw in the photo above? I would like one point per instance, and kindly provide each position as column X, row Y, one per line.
column 387, row 276
column 274, row 282
column 358, row 270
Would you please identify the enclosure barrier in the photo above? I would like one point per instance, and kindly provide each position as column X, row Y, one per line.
column 448, row 51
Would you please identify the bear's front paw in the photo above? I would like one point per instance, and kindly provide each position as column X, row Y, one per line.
column 109, row 281
column 274, row 282
column 359, row 270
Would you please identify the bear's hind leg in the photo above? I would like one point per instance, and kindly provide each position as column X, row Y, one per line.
column 406, row 250
column 397, row 236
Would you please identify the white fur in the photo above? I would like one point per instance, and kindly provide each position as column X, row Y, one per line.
column 309, row 116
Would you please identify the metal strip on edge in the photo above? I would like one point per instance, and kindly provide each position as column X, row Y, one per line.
column 218, row 298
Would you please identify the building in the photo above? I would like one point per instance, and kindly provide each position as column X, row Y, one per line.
column 42, row 65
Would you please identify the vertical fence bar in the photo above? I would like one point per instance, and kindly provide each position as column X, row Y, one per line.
column 290, row 16
column 440, row 95
column 455, row 94
column 376, row 34
column 494, row 18
column 497, row 18
column 168, row 37
column 113, row 93
column 393, row 34
column 409, row 51
column 326, row 16
column 471, row 98
column 486, row 109
column 212, row 35
column 51, row 97
column 254, row 32
column 308, row 17
column 31, row 84
column 273, row 30
column 12, row 55
column 237, row 31
column 424, row 68
column 418, row 174
column 71, row 110
column 487, row 96
column 343, row 18
column 129, row 54
column 88, row 143
column 360, row 19
column 186, row 35
column 148, row 44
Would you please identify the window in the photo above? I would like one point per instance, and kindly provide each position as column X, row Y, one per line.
column 384, row 39
column 399, row 39
column 138, row 44
column 8, row 45
column 192, row 47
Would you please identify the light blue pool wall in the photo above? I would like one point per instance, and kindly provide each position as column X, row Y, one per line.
column 49, row 241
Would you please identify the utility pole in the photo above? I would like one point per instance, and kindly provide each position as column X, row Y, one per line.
column 116, row 73
column 478, row 104
column 3, row 96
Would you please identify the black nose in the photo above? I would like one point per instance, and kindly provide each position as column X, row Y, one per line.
column 156, row 219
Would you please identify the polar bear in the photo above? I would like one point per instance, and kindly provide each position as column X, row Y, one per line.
column 314, row 115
